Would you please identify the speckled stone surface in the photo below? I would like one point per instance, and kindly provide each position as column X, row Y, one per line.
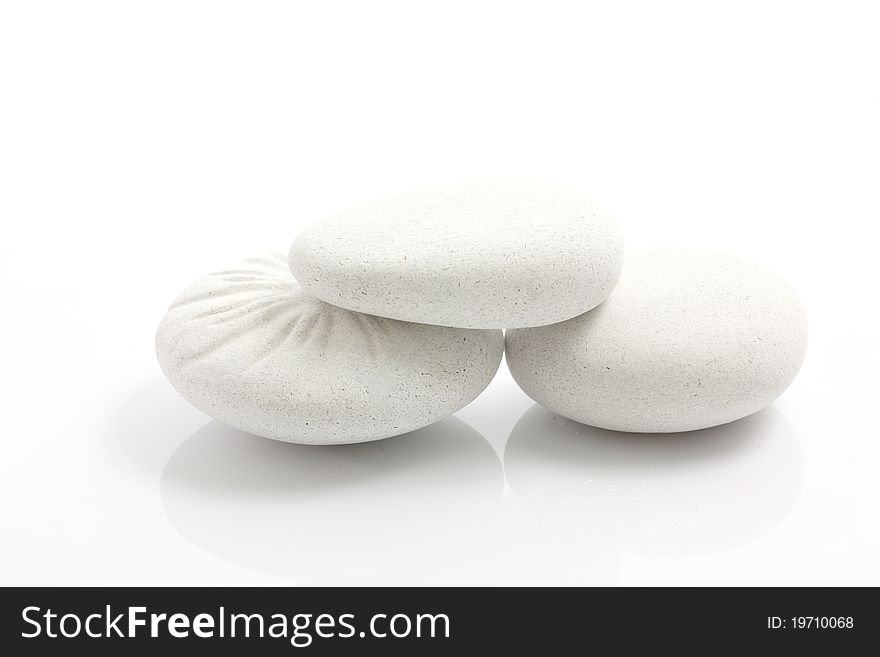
column 687, row 340
column 248, row 347
column 496, row 253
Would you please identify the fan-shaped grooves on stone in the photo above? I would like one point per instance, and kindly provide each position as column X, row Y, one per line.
column 301, row 318
column 249, row 347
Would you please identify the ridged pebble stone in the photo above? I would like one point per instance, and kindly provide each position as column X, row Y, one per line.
column 687, row 340
column 250, row 348
column 496, row 253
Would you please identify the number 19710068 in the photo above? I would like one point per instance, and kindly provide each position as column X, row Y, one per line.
column 810, row 622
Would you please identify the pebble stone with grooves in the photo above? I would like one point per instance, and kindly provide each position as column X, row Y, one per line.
column 687, row 340
column 497, row 253
column 248, row 347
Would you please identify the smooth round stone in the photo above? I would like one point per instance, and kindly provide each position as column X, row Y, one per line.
column 687, row 340
column 248, row 347
column 486, row 254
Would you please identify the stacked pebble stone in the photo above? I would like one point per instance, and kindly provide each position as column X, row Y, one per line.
column 388, row 317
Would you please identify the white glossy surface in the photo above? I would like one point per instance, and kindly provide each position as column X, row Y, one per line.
column 143, row 146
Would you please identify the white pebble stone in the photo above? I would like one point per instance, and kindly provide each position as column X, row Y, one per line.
column 687, row 340
column 496, row 253
column 248, row 347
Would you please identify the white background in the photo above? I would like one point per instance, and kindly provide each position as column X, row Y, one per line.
column 142, row 144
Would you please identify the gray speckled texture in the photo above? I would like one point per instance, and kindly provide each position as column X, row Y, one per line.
column 687, row 340
column 248, row 347
column 497, row 253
